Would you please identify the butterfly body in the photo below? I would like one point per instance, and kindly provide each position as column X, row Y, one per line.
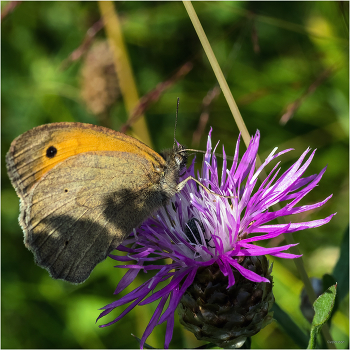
column 83, row 189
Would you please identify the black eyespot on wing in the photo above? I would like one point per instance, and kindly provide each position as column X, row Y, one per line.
column 66, row 190
column 51, row 152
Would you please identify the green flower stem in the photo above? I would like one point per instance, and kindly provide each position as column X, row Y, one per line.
column 246, row 138
column 123, row 68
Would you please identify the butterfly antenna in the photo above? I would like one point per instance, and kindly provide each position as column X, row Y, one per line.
column 200, row 151
column 177, row 111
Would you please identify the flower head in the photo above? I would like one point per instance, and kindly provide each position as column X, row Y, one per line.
column 198, row 229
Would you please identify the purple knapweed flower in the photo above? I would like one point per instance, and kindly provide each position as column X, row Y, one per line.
column 198, row 229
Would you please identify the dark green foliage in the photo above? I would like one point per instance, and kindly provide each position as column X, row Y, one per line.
column 289, row 326
column 341, row 269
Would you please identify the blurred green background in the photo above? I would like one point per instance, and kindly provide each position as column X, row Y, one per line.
column 273, row 54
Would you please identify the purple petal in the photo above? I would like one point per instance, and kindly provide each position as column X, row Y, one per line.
column 272, row 234
column 169, row 331
column 153, row 322
column 293, row 227
column 286, row 255
column 126, row 280
column 224, row 167
column 177, row 295
column 228, row 270
column 256, row 250
column 140, row 291
column 250, row 275
column 173, row 284
column 129, row 308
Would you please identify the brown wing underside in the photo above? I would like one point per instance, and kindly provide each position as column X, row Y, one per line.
column 85, row 207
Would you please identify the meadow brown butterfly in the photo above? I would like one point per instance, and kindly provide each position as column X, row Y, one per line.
column 83, row 189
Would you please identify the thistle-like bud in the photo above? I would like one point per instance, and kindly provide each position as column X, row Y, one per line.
column 99, row 87
column 227, row 316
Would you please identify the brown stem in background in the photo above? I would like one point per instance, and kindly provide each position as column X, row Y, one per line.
column 215, row 91
column 292, row 107
column 84, row 46
column 154, row 95
column 204, row 117
column 9, row 8
column 123, row 68
column 255, row 38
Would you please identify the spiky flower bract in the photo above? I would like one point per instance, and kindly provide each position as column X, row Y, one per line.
column 224, row 230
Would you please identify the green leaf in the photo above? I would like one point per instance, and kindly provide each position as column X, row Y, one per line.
column 328, row 281
column 289, row 326
column 323, row 306
column 341, row 269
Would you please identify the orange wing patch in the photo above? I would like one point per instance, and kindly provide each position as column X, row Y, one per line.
column 67, row 143
column 36, row 152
